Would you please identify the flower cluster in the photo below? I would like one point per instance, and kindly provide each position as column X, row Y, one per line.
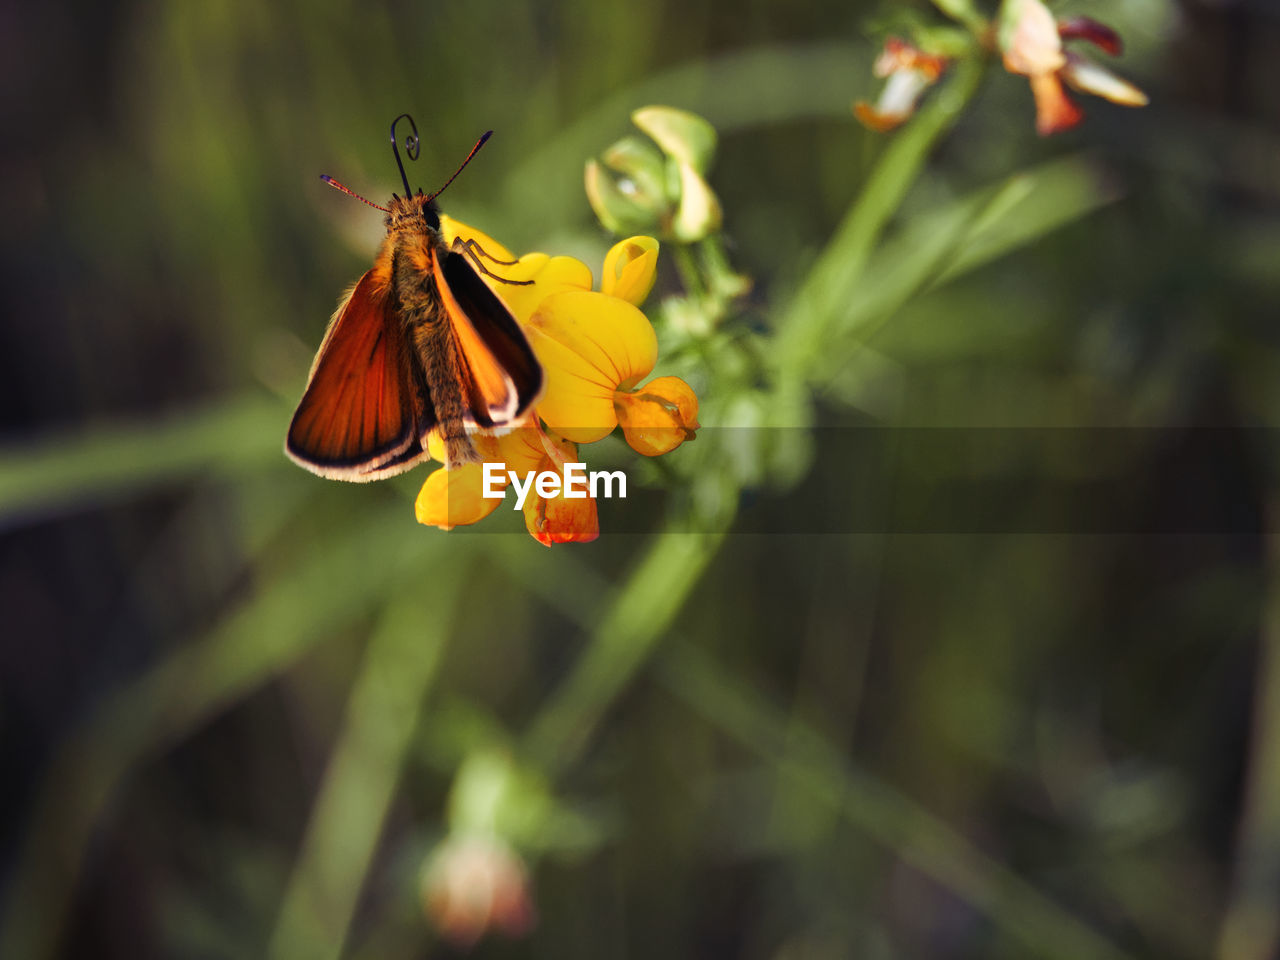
column 1031, row 43
column 595, row 348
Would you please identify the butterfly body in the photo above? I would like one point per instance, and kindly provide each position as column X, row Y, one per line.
column 419, row 344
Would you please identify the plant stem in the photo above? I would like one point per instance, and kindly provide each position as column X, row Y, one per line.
column 688, row 270
column 816, row 310
column 622, row 642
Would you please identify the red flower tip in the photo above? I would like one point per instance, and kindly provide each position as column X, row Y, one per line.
column 1099, row 34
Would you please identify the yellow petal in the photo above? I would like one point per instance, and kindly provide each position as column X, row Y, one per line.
column 630, row 268
column 522, row 450
column 659, row 417
column 589, row 346
column 451, row 498
column 436, row 446
column 538, row 277
column 699, row 213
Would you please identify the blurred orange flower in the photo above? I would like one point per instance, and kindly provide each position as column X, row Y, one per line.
column 1032, row 44
column 908, row 73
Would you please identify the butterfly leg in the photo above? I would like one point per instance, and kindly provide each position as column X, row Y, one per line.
column 472, row 250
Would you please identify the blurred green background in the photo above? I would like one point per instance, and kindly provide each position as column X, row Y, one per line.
column 235, row 699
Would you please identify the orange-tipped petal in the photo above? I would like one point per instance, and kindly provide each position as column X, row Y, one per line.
column 897, row 101
column 898, row 55
column 451, row 498
column 659, row 417
column 873, row 119
column 589, row 346
column 560, row 519
column 630, row 267
column 1099, row 34
column 1055, row 111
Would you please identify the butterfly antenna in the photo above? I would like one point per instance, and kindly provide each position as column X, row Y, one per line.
column 412, row 145
column 474, row 151
column 350, row 193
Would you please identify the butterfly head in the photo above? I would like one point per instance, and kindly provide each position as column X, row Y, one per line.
column 413, row 212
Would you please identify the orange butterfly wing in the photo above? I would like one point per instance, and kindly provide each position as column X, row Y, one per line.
column 504, row 377
column 365, row 408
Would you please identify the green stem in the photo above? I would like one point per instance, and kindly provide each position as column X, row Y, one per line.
column 817, row 306
column 963, row 12
column 622, row 642
column 690, row 277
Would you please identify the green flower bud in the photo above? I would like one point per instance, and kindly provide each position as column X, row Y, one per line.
column 682, row 135
column 617, row 204
column 637, row 188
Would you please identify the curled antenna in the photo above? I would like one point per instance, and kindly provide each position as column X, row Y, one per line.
column 412, row 145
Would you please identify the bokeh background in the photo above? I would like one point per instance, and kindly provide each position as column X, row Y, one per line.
column 235, row 700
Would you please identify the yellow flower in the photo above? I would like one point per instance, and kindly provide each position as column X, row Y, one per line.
column 595, row 347
column 1032, row 43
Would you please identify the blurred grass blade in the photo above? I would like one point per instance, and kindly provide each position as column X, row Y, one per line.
column 949, row 242
column 75, row 470
column 1043, row 928
column 347, row 819
column 317, row 597
column 1042, row 200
